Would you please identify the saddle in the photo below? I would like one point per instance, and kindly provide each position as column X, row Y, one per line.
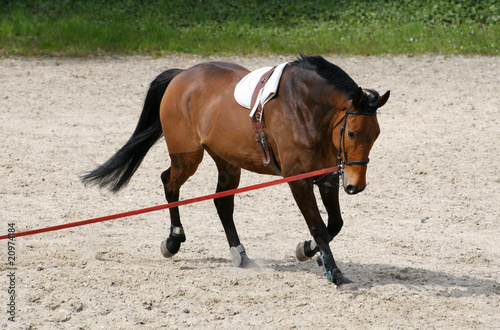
column 253, row 92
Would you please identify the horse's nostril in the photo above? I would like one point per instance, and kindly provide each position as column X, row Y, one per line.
column 351, row 189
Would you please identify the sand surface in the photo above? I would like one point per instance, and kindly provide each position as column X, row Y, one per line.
column 421, row 242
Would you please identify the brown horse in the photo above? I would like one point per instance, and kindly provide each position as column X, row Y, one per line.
column 319, row 118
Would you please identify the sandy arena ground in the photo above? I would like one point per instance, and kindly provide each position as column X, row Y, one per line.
column 421, row 242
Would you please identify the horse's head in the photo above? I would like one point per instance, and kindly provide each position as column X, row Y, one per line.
column 354, row 133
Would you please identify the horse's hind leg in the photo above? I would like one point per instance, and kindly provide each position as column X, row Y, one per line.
column 182, row 167
column 229, row 178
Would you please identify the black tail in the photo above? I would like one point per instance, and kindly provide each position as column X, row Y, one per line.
column 116, row 172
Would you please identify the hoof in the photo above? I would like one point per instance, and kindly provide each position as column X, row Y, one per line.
column 305, row 250
column 169, row 248
column 335, row 276
column 239, row 257
column 172, row 244
column 164, row 250
column 300, row 253
column 347, row 287
column 343, row 283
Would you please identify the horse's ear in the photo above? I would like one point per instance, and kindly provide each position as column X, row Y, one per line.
column 384, row 98
column 358, row 98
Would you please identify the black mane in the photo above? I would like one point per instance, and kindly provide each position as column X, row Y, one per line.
column 339, row 79
column 332, row 73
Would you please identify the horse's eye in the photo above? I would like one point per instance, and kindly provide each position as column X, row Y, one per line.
column 351, row 135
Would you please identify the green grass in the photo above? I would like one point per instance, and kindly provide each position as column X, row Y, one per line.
column 82, row 28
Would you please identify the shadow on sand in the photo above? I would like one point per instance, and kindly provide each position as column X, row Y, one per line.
column 367, row 276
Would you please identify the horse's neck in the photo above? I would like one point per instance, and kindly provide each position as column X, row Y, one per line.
column 307, row 108
column 319, row 101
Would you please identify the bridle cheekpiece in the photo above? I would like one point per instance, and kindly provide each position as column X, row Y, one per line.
column 341, row 149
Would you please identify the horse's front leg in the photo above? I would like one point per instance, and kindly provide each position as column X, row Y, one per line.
column 304, row 196
column 330, row 197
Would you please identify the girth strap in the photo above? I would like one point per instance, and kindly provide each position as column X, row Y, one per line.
column 258, row 126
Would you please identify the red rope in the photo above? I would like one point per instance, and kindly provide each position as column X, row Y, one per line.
column 175, row 204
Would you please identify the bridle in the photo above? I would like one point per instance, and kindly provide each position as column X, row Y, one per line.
column 341, row 150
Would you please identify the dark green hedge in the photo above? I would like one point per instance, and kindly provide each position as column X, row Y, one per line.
column 271, row 12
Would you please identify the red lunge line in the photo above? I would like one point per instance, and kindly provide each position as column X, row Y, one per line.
column 175, row 204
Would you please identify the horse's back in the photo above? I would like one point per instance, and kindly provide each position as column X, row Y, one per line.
column 197, row 100
column 207, row 74
column 205, row 80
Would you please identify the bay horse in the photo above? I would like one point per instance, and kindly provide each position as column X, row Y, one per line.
column 318, row 118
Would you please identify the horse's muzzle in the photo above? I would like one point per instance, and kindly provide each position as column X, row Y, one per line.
column 352, row 189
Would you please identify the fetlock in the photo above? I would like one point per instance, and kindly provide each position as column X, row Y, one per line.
column 177, row 234
column 172, row 244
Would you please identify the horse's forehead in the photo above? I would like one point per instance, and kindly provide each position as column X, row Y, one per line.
column 366, row 108
column 365, row 123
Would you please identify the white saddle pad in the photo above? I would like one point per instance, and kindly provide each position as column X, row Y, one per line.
column 243, row 91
